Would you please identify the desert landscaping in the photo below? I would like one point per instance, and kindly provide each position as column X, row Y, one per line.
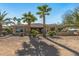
column 61, row 46
column 26, row 36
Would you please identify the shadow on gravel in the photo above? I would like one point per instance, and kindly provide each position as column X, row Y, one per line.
column 40, row 48
column 56, row 37
column 71, row 50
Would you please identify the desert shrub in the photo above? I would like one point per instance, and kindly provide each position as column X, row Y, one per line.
column 51, row 33
column 59, row 29
column 8, row 30
column 34, row 33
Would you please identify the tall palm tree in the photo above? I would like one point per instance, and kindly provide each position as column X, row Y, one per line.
column 43, row 11
column 2, row 19
column 29, row 18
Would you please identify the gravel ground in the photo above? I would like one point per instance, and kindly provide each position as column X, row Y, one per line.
column 63, row 45
column 66, row 45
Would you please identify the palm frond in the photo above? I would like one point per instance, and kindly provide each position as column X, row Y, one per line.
column 28, row 17
column 48, row 9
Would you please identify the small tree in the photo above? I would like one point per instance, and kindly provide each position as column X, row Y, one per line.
column 71, row 18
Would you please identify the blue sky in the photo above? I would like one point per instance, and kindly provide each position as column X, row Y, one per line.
column 58, row 9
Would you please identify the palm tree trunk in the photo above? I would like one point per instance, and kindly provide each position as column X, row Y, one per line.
column 44, row 26
column 29, row 29
column 44, row 21
column 0, row 28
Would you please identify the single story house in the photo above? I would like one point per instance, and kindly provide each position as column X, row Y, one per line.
column 62, row 30
column 23, row 28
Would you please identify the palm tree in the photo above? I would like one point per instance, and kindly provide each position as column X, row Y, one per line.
column 12, row 21
column 9, row 22
column 17, row 20
column 43, row 11
column 2, row 19
column 29, row 18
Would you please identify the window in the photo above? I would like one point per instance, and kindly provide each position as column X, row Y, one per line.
column 19, row 30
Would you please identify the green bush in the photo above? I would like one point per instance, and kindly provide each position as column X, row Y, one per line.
column 34, row 33
column 8, row 30
column 51, row 33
